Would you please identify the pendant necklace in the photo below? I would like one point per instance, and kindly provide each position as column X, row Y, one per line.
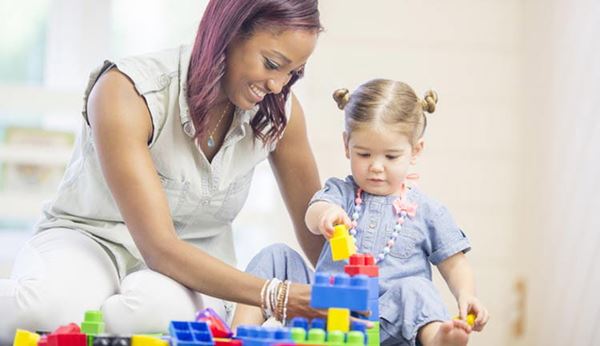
column 211, row 141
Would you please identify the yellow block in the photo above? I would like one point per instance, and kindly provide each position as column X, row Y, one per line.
column 342, row 245
column 145, row 340
column 25, row 338
column 470, row 319
column 338, row 319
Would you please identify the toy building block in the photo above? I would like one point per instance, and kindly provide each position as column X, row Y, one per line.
column 69, row 335
column 362, row 264
column 345, row 292
column 373, row 335
column 315, row 336
column 227, row 342
column 148, row 340
column 109, row 340
column 218, row 327
column 342, row 245
column 470, row 319
column 263, row 336
column 93, row 323
column 338, row 319
column 25, row 338
column 190, row 334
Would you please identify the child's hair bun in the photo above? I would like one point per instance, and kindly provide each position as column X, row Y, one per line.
column 341, row 97
column 429, row 101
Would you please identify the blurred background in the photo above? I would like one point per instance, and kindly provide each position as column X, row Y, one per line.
column 513, row 149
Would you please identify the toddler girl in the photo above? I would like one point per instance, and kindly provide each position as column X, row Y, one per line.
column 403, row 228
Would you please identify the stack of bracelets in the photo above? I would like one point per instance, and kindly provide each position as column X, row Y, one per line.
column 274, row 298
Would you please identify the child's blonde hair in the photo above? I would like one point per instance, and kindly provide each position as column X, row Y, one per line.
column 386, row 102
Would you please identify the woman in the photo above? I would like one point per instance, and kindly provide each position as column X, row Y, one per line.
column 142, row 219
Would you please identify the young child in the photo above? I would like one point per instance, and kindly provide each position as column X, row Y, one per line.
column 395, row 222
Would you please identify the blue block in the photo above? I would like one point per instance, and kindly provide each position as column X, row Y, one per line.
column 346, row 292
column 263, row 336
column 190, row 334
column 318, row 323
column 299, row 322
column 374, row 288
column 374, row 309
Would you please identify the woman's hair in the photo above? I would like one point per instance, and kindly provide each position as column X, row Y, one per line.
column 385, row 102
column 223, row 21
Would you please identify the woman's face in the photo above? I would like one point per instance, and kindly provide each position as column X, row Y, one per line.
column 264, row 63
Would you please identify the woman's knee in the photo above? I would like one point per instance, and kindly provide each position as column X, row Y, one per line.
column 147, row 302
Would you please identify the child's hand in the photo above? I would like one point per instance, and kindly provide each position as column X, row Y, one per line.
column 469, row 304
column 332, row 216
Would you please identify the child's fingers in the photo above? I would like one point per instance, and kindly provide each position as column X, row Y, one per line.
column 482, row 319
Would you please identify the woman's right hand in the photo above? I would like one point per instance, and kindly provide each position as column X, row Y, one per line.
column 299, row 305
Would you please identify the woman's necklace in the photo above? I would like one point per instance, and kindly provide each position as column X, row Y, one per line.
column 402, row 208
column 211, row 141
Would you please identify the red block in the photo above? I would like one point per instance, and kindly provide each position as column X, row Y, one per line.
column 227, row 342
column 69, row 335
column 362, row 264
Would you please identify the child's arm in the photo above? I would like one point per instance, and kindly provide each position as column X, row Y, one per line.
column 321, row 216
column 458, row 274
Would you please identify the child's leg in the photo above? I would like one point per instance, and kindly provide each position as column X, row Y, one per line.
column 57, row 276
column 275, row 261
column 412, row 312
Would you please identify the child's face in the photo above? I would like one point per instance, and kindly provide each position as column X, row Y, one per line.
column 379, row 159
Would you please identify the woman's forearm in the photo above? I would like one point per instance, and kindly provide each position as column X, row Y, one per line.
column 204, row 273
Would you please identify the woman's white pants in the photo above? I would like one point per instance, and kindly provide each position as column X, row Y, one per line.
column 61, row 273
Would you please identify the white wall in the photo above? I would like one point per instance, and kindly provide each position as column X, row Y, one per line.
column 563, row 126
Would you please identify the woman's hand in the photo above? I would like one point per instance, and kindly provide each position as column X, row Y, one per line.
column 299, row 305
column 469, row 304
column 332, row 216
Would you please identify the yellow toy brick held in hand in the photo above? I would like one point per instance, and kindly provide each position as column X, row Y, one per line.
column 470, row 319
column 342, row 244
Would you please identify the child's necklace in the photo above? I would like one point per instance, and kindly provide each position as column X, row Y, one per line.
column 402, row 208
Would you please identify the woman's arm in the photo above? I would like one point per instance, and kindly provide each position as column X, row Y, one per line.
column 296, row 171
column 122, row 127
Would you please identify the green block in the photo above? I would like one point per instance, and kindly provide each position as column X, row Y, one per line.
column 298, row 334
column 93, row 323
column 373, row 335
column 355, row 338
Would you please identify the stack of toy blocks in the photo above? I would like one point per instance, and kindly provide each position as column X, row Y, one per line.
column 364, row 264
column 343, row 248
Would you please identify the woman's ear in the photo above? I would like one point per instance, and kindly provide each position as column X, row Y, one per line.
column 417, row 150
column 346, row 138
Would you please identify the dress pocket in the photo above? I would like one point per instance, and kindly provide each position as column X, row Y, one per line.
column 235, row 197
column 406, row 244
column 179, row 197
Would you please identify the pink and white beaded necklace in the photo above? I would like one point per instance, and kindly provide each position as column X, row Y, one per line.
column 402, row 209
